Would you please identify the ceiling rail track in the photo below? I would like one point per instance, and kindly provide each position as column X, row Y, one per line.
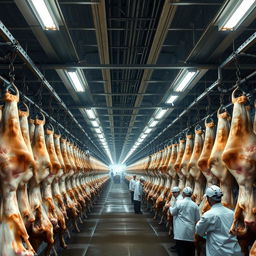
column 244, row 46
column 8, row 37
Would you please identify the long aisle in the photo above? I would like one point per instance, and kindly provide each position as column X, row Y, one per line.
column 113, row 229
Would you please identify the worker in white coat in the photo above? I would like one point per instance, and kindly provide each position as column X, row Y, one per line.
column 186, row 215
column 138, row 193
column 176, row 197
column 215, row 225
column 132, row 186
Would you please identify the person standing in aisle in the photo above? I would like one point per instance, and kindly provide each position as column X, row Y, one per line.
column 215, row 224
column 176, row 197
column 132, row 187
column 186, row 215
column 176, row 194
column 138, row 193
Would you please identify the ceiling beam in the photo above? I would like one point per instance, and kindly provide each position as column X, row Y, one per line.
column 79, row 2
column 165, row 20
column 128, row 66
column 196, row 3
column 100, row 23
column 145, row 67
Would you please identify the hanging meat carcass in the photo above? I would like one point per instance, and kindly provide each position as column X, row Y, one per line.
column 216, row 165
column 172, row 161
column 15, row 160
column 167, row 185
column 177, row 165
column 172, row 174
column 42, row 229
column 57, row 195
column 52, row 209
column 22, row 192
column 185, row 160
column 240, row 157
column 65, row 186
column 206, row 152
column 194, row 169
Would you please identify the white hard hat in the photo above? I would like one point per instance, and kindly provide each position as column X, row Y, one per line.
column 175, row 189
column 142, row 178
column 214, row 192
column 187, row 191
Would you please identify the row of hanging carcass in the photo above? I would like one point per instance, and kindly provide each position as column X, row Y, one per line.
column 46, row 182
column 227, row 159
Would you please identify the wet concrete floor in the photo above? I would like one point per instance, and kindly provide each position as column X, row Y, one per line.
column 112, row 229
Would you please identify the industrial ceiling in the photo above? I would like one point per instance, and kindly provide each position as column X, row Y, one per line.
column 129, row 55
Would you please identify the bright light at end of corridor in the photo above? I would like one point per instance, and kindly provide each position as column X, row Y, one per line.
column 117, row 167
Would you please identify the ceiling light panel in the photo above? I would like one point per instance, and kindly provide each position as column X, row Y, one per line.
column 237, row 14
column 44, row 14
column 148, row 130
column 75, row 81
column 94, row 123
column 184, row 80
column 98, row 130
column 160, row 113
column 153, row 123
column 90, row 113
column 171, row 99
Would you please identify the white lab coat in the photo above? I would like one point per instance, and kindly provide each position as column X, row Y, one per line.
column 138, row 191
column 175, row 199
column 132, row 184
column 215, row 224
column 185, row 215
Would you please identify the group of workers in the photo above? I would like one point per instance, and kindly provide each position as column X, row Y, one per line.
column 136, row 190
column 213, row 225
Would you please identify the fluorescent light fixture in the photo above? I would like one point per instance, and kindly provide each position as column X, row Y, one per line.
column 94, row 123
column 75, row 81
column 98, row 130
column 238, row 14
column 90, row 113
column 160, row 113
column 171, row 99
column 153, row 123
column 183, row 80
column 44, row 15
column 100, row 136
column 140, row 140
column 143, row 136
column 148, row 130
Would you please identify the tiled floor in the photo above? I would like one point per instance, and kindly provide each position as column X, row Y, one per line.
column 112, row 229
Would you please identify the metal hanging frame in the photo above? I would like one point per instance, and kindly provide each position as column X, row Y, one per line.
column 250, row 41
column 9, row 38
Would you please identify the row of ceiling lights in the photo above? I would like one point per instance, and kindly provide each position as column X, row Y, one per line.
column 232, row 16
column 227, row 21
column 180, row 84
column 44, row 14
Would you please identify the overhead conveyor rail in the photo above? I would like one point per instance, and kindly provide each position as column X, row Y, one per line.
column 243, row 47
column 8, row 37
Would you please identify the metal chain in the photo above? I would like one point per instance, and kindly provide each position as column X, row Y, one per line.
column 12, row 58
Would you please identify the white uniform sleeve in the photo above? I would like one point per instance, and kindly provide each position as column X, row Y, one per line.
column 197, row 214
column 174, row 210
column 130, row 185
column 205, row 224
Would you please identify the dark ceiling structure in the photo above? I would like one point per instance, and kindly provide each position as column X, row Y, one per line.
column 129, row 53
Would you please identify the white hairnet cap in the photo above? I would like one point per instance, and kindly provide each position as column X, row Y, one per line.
column 214, row 191
column 187, row 191
column 175, row 189
column 142, row 178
